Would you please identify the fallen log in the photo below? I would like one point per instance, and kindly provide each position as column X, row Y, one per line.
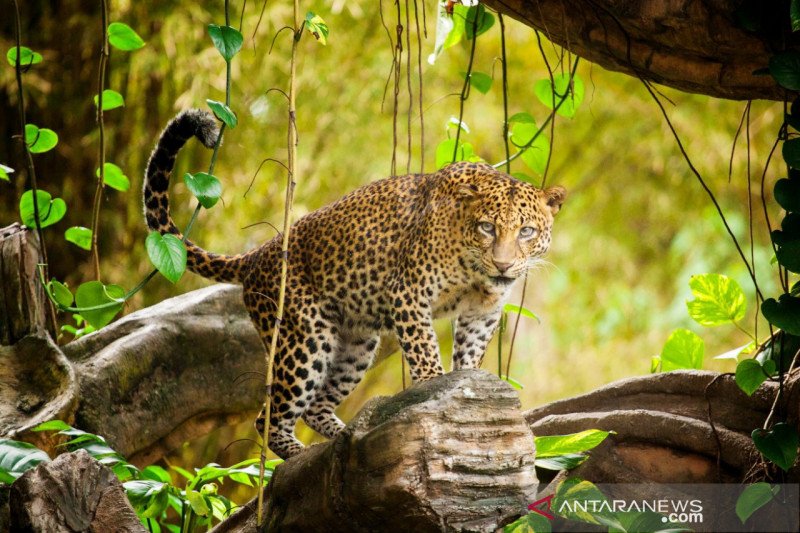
column 72, row 493
column 451, row 454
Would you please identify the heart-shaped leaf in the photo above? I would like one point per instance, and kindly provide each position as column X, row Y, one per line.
column 446, row 148
column 785, row 68
column 791, row 152
column 205, row 187
column 114, row 177
column 683, row 349
column 111, row 100
column 93, row 294
column 79, row 236
column 5, row 171
column 39, row 140
column 787, row 194
column 551, row 94
column 521, row 176
column 783, row 313
column 750, row 374
column 478, row 21
column 223, row 112
column 27, row 56
column 718, row 300
column 50, row 210
column 123, row 37
column 318, row 27
column 753, row 498
column 481, row 81
column 778, row 444
column 226, row 39
column 60, row 293
column 780, row 350
column 168, row 254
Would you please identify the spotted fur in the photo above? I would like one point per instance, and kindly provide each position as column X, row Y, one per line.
column 387, row 258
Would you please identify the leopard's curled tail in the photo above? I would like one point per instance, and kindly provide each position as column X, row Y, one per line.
column 187, row 124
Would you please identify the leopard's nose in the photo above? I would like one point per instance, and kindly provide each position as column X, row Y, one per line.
column 502, row 266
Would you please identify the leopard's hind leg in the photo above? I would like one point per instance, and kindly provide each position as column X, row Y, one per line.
column 354, row 357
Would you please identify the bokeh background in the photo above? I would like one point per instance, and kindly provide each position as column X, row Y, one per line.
column 635, row 227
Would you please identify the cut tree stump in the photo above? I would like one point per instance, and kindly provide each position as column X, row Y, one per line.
column 70, row 494
column 450, row 454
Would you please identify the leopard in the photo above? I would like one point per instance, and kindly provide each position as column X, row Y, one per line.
column 384, row 260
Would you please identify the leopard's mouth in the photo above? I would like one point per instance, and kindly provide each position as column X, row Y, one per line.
column 502, row 280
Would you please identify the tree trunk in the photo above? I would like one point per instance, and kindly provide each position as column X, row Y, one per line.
column 452, row 454
column 698, row 46
column 72, row 493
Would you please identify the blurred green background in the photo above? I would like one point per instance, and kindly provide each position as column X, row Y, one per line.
column 635, row 227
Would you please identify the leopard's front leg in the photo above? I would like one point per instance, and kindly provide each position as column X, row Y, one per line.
column 413, row 322
column 472, row 336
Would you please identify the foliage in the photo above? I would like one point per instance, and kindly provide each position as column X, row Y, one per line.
column 151, row 490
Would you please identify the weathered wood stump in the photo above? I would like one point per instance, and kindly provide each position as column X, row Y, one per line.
column 451, row 454
column 72, row 493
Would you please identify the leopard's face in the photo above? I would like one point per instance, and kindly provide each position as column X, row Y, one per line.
column 509, row 227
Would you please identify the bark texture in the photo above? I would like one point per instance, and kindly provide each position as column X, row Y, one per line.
column 452, row 454
column 698, row 46
column 664, row 430
column 72, row 493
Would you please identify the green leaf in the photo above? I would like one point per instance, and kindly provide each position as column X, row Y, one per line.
column 554, row 445
column 791, row 152
column 444, row 153
column 478, row 21
column 111, row 100
column 787, row 194
column 317, row 27
column 779, row 444
column 114, row 177
column 524, row 311
column 522, row 117
column 753, row 498
column 223, row 112
column 513, row 382
column 123, row 37
column 226, row 39
column 458, row 30
column 5, row 171
column 550, row 94
column 779, row 350
column 50, row 210
column 561, row 462
column 784, row 313
column 785, row 68
column 168, row 254
column 718, row 300
column 156, row 473
column 205, row 187
column 530, row 523
column 481, row 81
column 577, row 491
column 788, row 254
column 27, row 56
column 148, row 496
column 750, row 375
column 17, row 457
column 94, row 293
column 79, row 236
column 521, row 176
column 536, row 155
column 197, row 502
column 794, row 14
column 39, row 140
column 683, row 349
column 60, row 293
column 53, row 425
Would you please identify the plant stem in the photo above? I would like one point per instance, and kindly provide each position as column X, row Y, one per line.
column 287, row 218
column 465, row 88
column 98, row 192
column 504, row 64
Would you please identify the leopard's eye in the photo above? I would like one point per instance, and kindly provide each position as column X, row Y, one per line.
column 487, row 228
column 527, row 232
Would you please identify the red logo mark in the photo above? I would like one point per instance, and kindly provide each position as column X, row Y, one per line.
column 542, row 507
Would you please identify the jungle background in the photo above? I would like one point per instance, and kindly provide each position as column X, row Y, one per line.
column 635, row 227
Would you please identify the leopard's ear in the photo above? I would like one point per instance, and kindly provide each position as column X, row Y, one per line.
column 555, row 196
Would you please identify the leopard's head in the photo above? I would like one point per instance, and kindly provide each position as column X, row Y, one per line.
column 508, row 223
